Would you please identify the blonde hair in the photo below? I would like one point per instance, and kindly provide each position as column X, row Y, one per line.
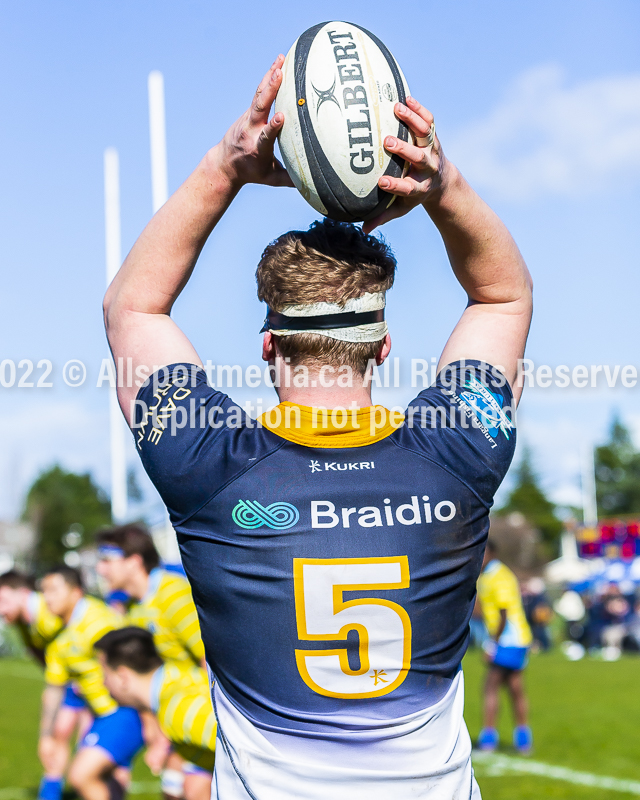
column 332, row 262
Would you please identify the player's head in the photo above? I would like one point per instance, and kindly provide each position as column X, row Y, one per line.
column 14, row 588
column 124, row 553
column 62, row 588
column 347, row 272
column 490, row 552
column 127, row 655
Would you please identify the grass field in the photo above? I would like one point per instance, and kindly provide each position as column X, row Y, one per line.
column 585, row 716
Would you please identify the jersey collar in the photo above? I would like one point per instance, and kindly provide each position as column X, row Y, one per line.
column 79, row 611
column 316, row 427
column 155, row 576
column 156, row 686
column 33, row 605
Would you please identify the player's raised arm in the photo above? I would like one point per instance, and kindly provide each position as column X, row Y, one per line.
column 138, row 303
column 483, row 255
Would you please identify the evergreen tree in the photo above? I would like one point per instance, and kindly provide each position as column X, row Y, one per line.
column 56, row 501
column 528, row 499
column 617, row 466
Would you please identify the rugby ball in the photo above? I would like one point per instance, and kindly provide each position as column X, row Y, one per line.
column 339, row 87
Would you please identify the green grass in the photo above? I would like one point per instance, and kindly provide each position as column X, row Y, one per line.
column 20, row 689
column 585, row 716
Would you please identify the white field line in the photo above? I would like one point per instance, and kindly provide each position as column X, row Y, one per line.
column 495, row 765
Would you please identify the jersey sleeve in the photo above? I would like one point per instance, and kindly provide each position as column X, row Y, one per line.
column 182, row 619
column 179, row 421
column 189, row 722
column 466, row 421
column 56, row 672
column 46, row 626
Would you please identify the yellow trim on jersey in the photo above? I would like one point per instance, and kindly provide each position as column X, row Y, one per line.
column 71, row 655
column 43, row 627
column 185, row 714
column 169, row 613
column 498, row 589
column 319, row 427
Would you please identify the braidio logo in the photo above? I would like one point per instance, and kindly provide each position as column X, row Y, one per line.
column 278, row 516
column 250, row 514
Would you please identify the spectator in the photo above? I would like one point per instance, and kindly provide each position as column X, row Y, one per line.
column 538, row 611
column 616, row 615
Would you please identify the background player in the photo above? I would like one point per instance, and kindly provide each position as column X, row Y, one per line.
column 115, row 735
column 178, row 694
column 506, row 650
column 273, row 544
column 161, row 602
column 25, row 608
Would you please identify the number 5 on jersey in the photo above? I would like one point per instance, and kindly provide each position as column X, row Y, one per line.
column 384, row 627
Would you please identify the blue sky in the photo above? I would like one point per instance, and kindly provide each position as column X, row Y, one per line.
column 538, row 104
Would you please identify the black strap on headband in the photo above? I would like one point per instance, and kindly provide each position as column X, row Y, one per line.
column 322, row 322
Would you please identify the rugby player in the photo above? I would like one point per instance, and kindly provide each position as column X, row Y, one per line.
column 161, row 602
column 100, row 768
column 506, row 650
column 333, row 556
column 178, row 694
column 25, row 608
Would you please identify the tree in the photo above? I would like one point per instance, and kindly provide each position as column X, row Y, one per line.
column 58, row 500
column 528, row 499
column 617, row 466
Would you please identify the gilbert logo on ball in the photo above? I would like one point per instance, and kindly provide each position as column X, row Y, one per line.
column 340, row 84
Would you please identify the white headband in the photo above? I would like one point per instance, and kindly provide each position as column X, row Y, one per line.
column 367, row 332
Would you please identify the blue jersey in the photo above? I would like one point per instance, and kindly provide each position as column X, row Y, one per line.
column 333, row 562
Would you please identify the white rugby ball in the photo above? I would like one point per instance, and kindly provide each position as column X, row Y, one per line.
column 340, row 84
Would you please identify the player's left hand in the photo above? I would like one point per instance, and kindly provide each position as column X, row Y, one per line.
column 489, row 648
column 245, row 155
column 426, row 164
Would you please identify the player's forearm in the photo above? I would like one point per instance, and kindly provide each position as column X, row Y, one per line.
column 502, row 625
column 162, row 259
column 482, row 252
column 51, row 700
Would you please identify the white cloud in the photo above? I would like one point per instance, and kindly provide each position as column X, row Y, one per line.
column 548, row 137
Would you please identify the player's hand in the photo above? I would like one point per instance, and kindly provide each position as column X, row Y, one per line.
column 489, row 648
column 245, row 154
column 426, row 164
column 156, row 755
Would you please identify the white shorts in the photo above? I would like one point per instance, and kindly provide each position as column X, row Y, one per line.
column 424, row 755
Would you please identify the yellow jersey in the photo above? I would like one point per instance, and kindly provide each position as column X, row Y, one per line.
column 181, row 700
column 43, row 626
column 71, row 655
column 498, row 588
column 169, row 613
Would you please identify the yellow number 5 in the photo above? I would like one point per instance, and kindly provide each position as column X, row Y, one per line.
column 384, row 627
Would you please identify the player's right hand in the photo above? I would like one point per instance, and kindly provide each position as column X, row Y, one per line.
column 245, row 155
column 156, row 755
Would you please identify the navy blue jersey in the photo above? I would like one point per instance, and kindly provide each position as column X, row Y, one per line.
column 333, row 564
